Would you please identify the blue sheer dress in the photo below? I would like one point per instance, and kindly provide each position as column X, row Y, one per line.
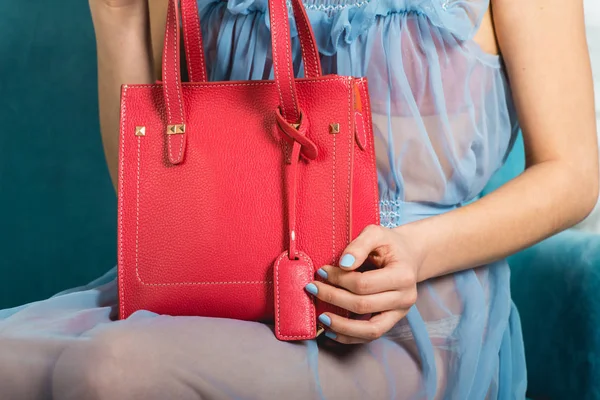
column 444, row 122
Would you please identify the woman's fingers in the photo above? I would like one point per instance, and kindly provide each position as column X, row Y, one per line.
column 392, row 277
column 350, row 331
column 361, row 304
column 357, row 252
column 388, row 292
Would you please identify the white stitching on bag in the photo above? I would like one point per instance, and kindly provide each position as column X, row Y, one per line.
column 333, row 204
column 187, row 50
column 287, row 57
column 182, row 137
column 169, row 139
column 202, row 85
column 121, row 261
column 157, row 86
column 164, row 75
column 137, row 223
column 275, row 64
column 350, row 143
column 312, row 45
column 187, row 44
column 302, row 50
column 137, row 206
column 202, row 62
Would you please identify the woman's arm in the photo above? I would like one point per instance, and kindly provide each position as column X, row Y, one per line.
column 544, row 47
column 124, row 56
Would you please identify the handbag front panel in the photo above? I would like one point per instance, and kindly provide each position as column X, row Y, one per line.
column 201, row 237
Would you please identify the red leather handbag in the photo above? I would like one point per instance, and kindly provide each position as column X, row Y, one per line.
column 233, row 194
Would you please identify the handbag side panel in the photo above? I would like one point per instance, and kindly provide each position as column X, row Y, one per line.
column 365, row 194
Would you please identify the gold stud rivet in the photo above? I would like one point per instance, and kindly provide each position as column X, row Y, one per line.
column 334, row 128
column 140, row 131
column 175, row 129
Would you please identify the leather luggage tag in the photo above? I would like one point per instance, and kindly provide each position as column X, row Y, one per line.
column 294, row 308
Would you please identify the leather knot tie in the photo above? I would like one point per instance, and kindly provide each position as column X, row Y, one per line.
column 297, row 133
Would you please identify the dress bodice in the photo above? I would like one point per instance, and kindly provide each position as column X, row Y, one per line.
column 442, row 110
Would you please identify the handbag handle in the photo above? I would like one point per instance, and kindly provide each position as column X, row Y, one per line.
column 194, row 48
column 192, row 41
column 282, row 63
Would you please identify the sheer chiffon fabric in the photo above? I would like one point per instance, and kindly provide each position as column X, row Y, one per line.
column 444, row 123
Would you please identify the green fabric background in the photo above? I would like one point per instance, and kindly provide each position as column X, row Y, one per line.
column 57, row 205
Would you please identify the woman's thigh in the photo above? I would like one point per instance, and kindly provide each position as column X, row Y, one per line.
column 159, row 357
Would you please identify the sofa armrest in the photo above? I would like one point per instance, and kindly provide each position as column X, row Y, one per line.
column 556, row 287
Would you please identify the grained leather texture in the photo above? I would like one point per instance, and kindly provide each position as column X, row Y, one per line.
column 200, row 236
column 294, row 308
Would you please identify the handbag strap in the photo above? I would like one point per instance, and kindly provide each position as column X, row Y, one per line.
column 194, row 48
column 192, row 39
column 282, row 64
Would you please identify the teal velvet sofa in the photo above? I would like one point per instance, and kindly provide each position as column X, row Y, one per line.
column 58, row 208
column 556, row 287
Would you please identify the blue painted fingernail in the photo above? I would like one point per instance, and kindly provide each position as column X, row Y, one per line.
column 347, row 261
column 322, row 273
column 312, row 289
column 325, row 320
column 330, row 335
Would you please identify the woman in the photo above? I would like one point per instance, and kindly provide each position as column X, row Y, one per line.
column 445, row 117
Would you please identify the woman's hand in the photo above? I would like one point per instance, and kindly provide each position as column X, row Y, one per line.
column 388, row 291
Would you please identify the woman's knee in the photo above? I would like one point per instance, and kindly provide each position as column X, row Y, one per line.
column 113, row 364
